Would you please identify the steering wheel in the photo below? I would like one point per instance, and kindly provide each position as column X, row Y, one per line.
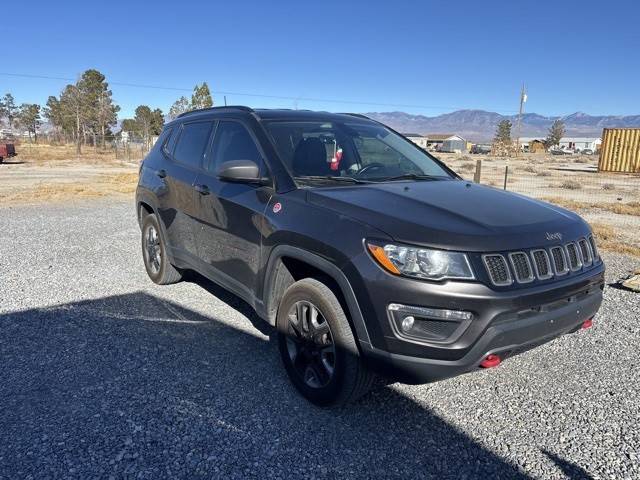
column 372, row 166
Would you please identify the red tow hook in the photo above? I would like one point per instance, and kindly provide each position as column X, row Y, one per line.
column 587, row 324
column 490, row 361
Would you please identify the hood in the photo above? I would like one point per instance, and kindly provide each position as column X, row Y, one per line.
column 452, row 214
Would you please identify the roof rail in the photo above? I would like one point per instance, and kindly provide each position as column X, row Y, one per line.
column 224, row 107
column 359, row 115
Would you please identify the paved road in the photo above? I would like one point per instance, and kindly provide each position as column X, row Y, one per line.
column 104, row 374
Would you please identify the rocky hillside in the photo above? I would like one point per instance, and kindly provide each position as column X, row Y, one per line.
column 480, row 125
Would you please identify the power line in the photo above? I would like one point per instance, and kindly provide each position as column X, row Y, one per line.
column 257, row 95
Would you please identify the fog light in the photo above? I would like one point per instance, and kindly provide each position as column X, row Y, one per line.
column 407, row 323
column 429, row 324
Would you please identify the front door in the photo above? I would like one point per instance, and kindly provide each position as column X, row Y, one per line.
column 186, row 158
column 230, row 215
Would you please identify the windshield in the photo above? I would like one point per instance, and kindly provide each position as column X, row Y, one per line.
column 360, row 151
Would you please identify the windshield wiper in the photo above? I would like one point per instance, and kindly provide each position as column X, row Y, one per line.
column 410, row 176
column 332, row 177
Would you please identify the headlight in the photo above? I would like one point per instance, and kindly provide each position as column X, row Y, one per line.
column 421, row 262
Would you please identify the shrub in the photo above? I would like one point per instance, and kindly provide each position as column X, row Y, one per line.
column 543, row 173
column 468, row 167
column 608, row 186
column 530, row 169
column 571, row 185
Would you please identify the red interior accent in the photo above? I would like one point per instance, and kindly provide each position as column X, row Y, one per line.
column 587, row 324
column 491, row 361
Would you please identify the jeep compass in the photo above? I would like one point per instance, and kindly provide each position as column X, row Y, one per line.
column 371, row 258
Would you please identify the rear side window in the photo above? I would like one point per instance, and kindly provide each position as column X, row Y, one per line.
column 192, row 143
column 233, row 142
column 170, row 141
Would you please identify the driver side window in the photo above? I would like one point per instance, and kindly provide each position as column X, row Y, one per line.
column 371, row 150
column 232, row 141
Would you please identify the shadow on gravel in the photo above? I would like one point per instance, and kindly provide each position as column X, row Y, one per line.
column 135, row 386
column 571, row 470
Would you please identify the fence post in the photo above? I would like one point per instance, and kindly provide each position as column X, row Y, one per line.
column 506, row 175
column 476, row 177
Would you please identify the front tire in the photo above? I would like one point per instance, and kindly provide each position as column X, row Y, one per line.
column 317, row 346
column 154, row 253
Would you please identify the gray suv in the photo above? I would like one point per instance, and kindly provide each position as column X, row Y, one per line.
column 370, row 257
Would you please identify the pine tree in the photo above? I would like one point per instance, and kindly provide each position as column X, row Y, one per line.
column 503, row 133
column 180, row 106
column 54, row 114
column 99, row 111
column 8, row 109
column 145, row 124
column 29, row 118
column 201, row 97
column 556, row 132
column 157, row 122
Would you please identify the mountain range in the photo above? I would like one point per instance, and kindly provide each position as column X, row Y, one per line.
column 480, row 125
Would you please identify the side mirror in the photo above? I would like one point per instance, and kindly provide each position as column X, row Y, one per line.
column 241, row 171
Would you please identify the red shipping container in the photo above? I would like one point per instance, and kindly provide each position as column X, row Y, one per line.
column 7, row 150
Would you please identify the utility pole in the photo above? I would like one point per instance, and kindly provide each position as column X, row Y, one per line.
column 225, row 100
column 523, row 100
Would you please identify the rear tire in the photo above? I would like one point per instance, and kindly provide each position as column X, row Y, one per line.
column 154, row 253
column 317, row 346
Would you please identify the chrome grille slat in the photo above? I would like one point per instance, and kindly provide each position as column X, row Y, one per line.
column 585, row 252
column 573, row 256
column 559, row 261
column 541, row 264
column 594, row 249
column 497, row 269
column 521, row 267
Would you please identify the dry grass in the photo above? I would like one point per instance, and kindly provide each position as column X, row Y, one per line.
column 571, row 185
column 54, row 153
column 608, row 239
column 606, row 235
column 103, row 185
column 631, row 208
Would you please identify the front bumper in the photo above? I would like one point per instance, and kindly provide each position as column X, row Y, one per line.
column 505, row 322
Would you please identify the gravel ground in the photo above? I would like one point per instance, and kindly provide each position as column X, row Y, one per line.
column 105, row 374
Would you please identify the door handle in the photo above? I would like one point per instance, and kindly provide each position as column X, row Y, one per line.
column 202, row 189
column 161, row 173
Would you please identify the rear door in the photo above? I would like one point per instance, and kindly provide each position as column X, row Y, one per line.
column 230, row 215
column 185, row 151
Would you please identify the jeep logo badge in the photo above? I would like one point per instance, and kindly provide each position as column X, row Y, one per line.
column 554, row 236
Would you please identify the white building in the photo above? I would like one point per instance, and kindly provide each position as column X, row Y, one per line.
column 419, row 140
column 580, row 143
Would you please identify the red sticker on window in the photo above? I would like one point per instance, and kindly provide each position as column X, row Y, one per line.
column 277, row 207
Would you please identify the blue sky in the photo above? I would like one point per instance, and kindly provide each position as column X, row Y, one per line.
column 426, row 57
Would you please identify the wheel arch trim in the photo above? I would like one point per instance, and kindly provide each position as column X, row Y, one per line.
column 327, row 268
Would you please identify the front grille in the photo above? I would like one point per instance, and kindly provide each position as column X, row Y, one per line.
column 521, row 267
column 498, row 270
column 585, row 251
column 540, row 264
column 573, row 256
column 559, row 261
column 594, row 249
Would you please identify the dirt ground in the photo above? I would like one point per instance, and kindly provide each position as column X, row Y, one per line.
column 55, row 173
